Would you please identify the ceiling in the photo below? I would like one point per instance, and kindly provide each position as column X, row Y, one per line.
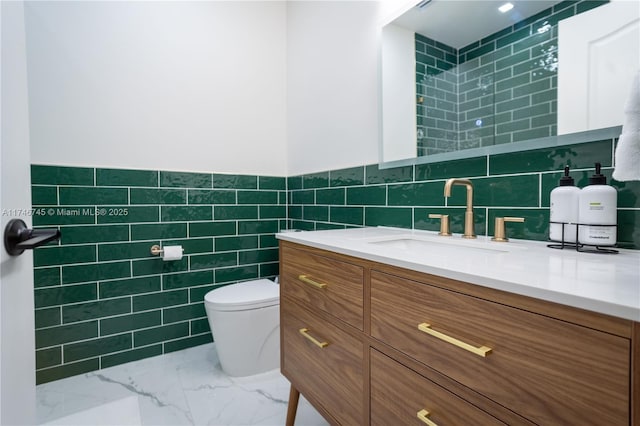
column 461, row 22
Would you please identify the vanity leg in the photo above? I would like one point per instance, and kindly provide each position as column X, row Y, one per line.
column 292, row 407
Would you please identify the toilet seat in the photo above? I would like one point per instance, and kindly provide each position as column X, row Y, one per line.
column 244, row 296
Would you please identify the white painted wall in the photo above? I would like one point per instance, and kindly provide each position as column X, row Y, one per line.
column 17, row 339
column 332, row 85
column 193, row 86
column 389, row 10
column 238, row 87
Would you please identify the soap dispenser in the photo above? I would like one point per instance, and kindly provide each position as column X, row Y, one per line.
column 598, row 212
column 564, row 210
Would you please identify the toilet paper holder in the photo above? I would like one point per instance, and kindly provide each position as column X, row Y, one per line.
column 156, row 250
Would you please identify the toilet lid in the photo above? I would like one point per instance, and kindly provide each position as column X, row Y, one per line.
column 245, row 295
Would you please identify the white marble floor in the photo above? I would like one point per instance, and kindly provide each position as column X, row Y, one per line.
column 181, row 388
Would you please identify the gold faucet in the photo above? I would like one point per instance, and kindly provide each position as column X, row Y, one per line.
column 468, row 215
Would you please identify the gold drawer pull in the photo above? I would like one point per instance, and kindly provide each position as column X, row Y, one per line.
column 305, row 333
column 423, row 415
column 482, row 351
column 306, row 279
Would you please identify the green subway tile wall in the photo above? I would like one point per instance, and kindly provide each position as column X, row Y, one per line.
column 515, row 184
column 102, row 299
column 497, row 90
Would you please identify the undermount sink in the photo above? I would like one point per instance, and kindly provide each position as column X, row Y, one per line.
column 414, row 244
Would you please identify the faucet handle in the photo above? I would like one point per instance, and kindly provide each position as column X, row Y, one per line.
column 444, row 223
column 499, row 231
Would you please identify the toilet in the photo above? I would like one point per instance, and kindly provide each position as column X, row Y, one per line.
column 245, row 322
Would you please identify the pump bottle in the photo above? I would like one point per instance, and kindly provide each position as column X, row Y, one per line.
column 598, row 212
column 563, row 214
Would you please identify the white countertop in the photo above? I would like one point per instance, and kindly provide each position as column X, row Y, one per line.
column 604, row 283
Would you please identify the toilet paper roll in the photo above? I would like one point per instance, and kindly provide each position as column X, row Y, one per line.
column 172, row 253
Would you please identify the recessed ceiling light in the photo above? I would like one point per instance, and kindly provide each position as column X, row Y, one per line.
column 505, row 7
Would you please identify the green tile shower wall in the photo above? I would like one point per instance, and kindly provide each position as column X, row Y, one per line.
column 515, row 184
column 102, row 299
column 497, row 90
column 437, row 91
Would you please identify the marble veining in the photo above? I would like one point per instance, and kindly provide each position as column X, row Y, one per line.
column 181, row 388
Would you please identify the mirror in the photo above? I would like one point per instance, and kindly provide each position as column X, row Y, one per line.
column 461, row 79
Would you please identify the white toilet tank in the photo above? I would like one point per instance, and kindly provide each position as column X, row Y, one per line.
column 245, row 322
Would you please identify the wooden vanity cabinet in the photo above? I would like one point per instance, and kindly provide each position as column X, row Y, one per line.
column 399, row 395
column 461, row 353
column 324, row 362
column 321, row 323
column 323, row 283
column 546, row 370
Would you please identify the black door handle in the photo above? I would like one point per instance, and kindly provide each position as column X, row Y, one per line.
column 18, row 238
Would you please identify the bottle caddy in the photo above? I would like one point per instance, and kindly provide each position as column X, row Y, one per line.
column 584, row 217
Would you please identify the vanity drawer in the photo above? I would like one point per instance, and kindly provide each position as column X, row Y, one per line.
column 398, row 394
column 323, row 362
column 325, row 283
column 547, row 370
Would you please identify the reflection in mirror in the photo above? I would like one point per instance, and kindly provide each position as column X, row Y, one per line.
column 477, row 93
column 481, row 78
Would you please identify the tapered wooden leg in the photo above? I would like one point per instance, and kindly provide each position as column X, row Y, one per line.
column 292, row 408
